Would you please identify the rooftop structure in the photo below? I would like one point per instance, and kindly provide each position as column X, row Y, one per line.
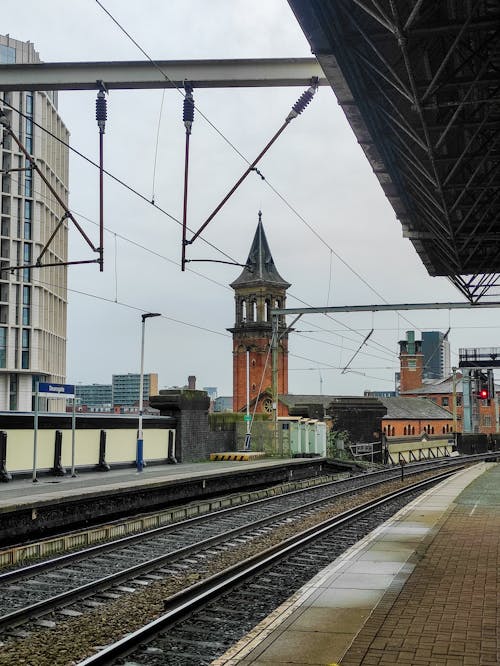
column 418, row 83
column 414, row 408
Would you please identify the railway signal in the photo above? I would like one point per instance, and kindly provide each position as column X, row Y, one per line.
column 485, row 387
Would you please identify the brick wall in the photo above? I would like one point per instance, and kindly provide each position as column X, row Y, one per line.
column 416, row 427
column 194, row 440
column 411, row 371
column 190, row 408
column 260, row 368
column 486, row 409
column 361, row 417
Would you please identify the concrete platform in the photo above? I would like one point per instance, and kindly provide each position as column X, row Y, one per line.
column 31, row 510
column 24, row 491
column 422, row 589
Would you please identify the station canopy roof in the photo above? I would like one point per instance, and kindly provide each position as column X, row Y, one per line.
column 419, row 82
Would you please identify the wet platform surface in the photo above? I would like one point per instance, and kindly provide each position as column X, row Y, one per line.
column 421, row 589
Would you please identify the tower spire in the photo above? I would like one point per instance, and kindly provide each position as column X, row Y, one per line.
column 260, row 267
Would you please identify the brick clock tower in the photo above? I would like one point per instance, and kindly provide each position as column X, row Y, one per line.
column 257, row 290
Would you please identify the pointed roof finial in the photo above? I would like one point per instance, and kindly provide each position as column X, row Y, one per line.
column 260, row 264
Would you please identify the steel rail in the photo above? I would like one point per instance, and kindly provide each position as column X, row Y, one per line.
column 39, row 608
column 63, row 560
column 184, row 603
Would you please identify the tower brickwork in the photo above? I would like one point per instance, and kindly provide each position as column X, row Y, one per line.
column 257, row 290
column 411, row 363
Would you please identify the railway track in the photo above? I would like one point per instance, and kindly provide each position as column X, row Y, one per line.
column 20, row 555
column 77, row 584
column 201, row 623
column 31, row 590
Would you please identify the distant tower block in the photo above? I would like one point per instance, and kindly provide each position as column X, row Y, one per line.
column 257, row 290
column 192, row 383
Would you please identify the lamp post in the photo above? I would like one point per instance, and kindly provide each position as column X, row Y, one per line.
column 139, row 461
column 247, row 415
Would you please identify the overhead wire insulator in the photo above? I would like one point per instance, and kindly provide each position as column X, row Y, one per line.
column 101, row 111
column 187, row 117
column 101, row 115
column 297, row 108
column 302, row 102
column 188, row 110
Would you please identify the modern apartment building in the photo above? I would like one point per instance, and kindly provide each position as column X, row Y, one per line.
column 125, row 392
column 436, row 351
column 32, row 300
column 95, row 396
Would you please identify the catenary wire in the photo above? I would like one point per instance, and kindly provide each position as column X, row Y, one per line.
column 130, row 241
column 349, row 328
column 156, row 145
column 173, row 218
column 136, row 308
column 139, row 245
column 144, row 248
column 333, row 344
column 201, row 275
column 278, row 194
column 113, row 177
column 153, row 252
column 311, row 360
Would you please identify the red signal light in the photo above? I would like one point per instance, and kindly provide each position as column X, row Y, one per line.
column 483, row 394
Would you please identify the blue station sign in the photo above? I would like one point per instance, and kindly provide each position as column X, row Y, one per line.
column 56, row 390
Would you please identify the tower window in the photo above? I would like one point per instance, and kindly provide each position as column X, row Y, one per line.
column 254, row 310
column 267, row 308
column 243, row 310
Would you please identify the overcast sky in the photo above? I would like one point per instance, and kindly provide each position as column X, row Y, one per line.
column 316, row 166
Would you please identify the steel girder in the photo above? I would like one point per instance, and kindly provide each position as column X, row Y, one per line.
column 419, row 82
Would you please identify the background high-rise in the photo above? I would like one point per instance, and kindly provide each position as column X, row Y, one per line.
column 33, row 301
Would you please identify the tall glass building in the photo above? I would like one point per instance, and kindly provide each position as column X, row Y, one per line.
column 32, row 300
column 436, row 351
